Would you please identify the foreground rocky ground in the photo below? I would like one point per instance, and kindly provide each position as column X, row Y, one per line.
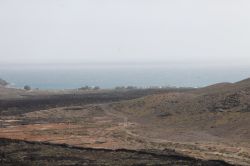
column 14, row 152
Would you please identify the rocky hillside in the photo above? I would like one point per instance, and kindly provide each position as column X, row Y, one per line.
column 215, row 98
column 221, row 110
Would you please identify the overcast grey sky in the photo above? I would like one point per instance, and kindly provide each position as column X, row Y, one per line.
column 176, row 32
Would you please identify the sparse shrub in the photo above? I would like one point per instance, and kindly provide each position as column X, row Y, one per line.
column 27, row 87
column 131, row 87
column 120, row 88
column 125, row 88
column 89, row 88
column 85, row 88
column 96, row 88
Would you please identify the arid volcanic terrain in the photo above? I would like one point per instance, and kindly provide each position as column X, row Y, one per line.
column 205, row 126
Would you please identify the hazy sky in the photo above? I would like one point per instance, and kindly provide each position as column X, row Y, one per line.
column 176, row 32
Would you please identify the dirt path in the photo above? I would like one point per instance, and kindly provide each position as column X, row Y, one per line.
column 209, row 150
column 101, row 126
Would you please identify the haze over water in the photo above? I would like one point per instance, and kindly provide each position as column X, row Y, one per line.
column 110, row 76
